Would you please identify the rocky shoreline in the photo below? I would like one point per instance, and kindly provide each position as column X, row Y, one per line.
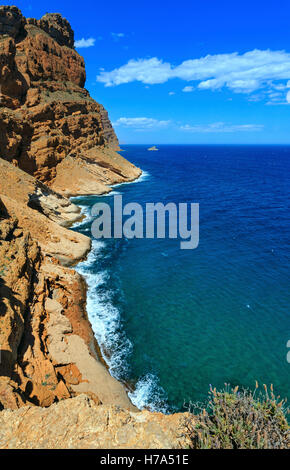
column 55, row 142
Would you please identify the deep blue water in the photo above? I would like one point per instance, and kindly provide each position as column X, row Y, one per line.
column 172, row 321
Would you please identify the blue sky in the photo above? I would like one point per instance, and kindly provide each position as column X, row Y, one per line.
column 187, row 71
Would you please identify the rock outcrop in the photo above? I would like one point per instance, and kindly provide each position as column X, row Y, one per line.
column 46, row 114
column 56, row 142
column 11, row 21
column 58, row 28
column 52, row 135
column 80, row 423
column 48, row 351
column 27, row 190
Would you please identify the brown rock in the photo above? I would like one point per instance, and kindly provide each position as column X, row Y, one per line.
column 66, row 246
column 79, row 423
column 11, row 21
column 47, row 344
column 58, row 28
column 25, row 189
column 11, row 397
column 47, row 118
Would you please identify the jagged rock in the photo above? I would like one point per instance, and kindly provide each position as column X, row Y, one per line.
column 20, row 186
column 11, row 21
column 47, row 115
column 108, row 130
column 58, row 28
column 19, row 259
column 66, row 246
column 48, row 350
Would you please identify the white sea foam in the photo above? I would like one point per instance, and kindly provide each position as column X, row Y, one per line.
column 86, row 212
column 103, row 315
column 106, row 320
column 112, row 193
column 144, row 176
column 149, row 394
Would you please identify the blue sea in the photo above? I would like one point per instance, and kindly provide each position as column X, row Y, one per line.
column 170, row 322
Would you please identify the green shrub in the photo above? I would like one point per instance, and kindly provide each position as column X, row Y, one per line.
column 241, row 420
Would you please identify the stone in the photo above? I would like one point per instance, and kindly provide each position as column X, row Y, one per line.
column 80, row 423
column 49, row 124
column 11, row 21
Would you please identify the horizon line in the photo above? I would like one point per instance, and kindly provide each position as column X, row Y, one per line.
column 264, row 144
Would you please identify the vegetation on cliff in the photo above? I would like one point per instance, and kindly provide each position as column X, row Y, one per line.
column 241, row 420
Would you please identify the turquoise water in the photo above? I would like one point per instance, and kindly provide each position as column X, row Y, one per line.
column 169, row 321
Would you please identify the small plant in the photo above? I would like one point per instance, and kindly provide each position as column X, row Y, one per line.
column 241, row 420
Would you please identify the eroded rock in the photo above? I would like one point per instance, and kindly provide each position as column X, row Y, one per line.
column 46, row 114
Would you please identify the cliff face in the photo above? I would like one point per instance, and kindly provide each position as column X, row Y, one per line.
column 47, row 345
column 55, row 141
column 52, row 134
column 54, row 392
column 48, row 121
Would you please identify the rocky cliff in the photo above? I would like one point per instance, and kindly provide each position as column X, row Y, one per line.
column 55, row 141
column 49, row 124
column 54, row 391
column 48, row 351
column 80, row 423
column 52, row 134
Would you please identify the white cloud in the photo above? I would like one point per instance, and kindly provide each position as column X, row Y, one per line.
column 242, row 73
column 148, row 71
column 144, row 123
column 117, row 36
column 85, row 42
column 221, row 127
column 140, row 123
column 171, row 93
column 280, row 86
column 188, row 89
column 288, row 97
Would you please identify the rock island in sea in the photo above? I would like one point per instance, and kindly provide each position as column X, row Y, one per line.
column 153, row 149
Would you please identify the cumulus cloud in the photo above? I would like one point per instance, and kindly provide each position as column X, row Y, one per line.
column 140, row 123
column 221, row 127
column 85, row 43
column 188, row 89
column 148, row 71
column 242, row 73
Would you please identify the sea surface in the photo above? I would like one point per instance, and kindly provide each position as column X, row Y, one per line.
column 170, row 322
